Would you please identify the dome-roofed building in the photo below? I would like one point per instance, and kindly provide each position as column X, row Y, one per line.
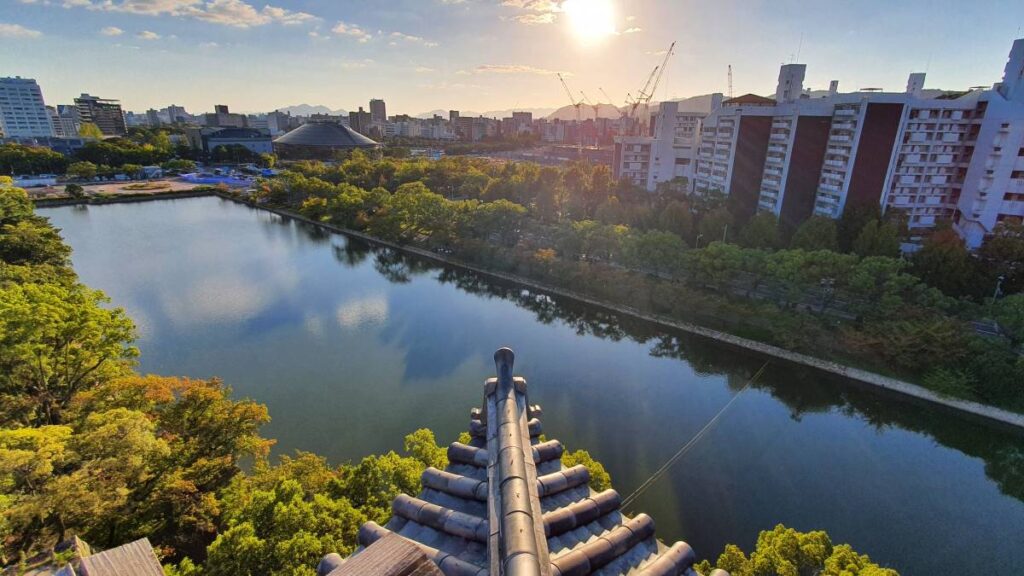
column 319, row 140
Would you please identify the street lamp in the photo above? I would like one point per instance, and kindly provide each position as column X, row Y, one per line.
column 699, row 236
column 999, row 284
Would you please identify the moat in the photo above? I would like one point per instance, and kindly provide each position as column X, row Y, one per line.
column 351, row 348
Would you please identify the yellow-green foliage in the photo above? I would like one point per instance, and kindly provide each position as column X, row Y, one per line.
column 783, row 551
column 599, row 477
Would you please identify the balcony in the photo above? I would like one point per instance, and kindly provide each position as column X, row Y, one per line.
column 778, row 136
column 845, row 112
column 840, row 138
column 835, row 163
column 843, row 125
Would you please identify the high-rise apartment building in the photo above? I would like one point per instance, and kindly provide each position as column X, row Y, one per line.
column 103, row 112
column 669, row 149
column 378, row 111
column 938, row 156
column 23, row 113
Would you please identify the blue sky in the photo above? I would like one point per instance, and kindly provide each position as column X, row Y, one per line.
column 484, row 54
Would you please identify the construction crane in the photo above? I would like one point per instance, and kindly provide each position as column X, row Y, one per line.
column 650, row 87
column 597, row 113
column 575, row 104
column 620, row 109
column 730, row 81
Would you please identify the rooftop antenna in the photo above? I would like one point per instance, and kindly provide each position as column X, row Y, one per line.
column 799, row 49
column 730, row 81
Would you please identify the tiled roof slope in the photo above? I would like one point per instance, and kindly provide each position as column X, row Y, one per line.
column 506, row 505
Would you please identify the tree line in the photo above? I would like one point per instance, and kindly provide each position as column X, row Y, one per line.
column 122, row 155
column 841, row 290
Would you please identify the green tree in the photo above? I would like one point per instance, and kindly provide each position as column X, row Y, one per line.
column 21, row 159
column 1003, row 255
column 1009, row 312
column 56, row 341
column 90, row 130
column 677, row 219
column 82, row 170
column 945, row 263
column 817, row 233
column 851, row 224
column 783, row 551
column 877, row 239
column 74, row 191
column 600, row 479
column 762, row 231
column 131, row 170
column 715, row 225
column 179, row 165
column 655, row 251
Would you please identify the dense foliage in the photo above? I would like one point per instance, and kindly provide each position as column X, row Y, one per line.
column 785, row 552
column 847, row 297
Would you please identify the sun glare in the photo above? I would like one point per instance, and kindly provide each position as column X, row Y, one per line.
column 590, row 20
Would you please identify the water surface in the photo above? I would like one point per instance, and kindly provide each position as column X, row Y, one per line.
column 352, row 348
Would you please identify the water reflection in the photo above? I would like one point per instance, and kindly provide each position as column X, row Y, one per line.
column 351, row 347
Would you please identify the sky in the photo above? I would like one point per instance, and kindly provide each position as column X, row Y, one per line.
column 421, row 55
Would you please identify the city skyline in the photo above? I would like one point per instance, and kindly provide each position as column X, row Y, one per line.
column 467, row 54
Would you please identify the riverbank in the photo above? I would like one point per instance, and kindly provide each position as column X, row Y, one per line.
column 864, row 377
column 140, row 196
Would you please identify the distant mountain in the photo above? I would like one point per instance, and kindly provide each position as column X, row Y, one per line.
column 309, row 110
column 567, row 113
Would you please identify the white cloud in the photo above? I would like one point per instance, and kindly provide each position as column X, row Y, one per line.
column 363, row 312
column 17, row 31
column 111, row 31
column 514, row 69
column 632, row 30
column 537, row 11
column 209, row 45
column 147, row 35
column 344, row 29
column 354, row 64
column 531, row 19
column 235, row 13
column 413, row 39
column 424, row 70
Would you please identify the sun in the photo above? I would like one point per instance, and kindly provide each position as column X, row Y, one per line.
column 590, row 20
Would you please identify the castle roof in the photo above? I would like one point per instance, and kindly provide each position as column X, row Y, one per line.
column 505, row 505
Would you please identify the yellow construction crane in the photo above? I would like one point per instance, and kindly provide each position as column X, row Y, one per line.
column 579, row 127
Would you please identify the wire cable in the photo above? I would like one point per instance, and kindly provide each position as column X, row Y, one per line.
column 691, row 443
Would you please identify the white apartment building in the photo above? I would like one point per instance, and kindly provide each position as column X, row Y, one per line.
column 23, row 113
column 957, row 156
column 670, row 149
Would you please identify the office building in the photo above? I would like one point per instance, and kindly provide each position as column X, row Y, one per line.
column 360, row 121
column 23, row 113
column 938, row 156
column 223, row 118
column 378, row 112
column 104, row 113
